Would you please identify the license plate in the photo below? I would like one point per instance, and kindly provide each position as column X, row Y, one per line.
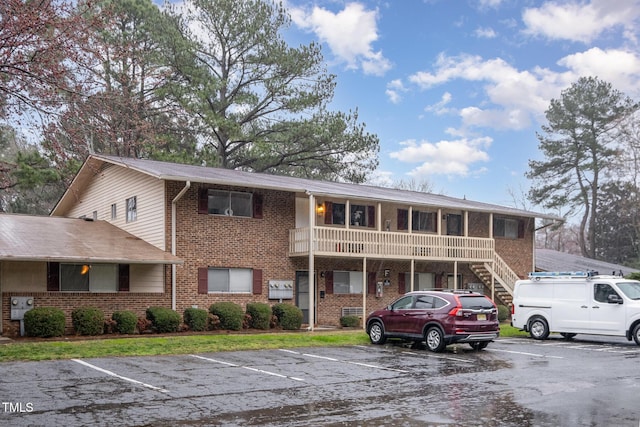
column 481, row 317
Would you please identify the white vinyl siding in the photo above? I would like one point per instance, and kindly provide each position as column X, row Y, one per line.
column 114, row 185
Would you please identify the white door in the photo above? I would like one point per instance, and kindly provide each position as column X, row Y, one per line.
column 606, row 317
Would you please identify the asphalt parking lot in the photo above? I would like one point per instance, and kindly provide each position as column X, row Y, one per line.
column 514, row 382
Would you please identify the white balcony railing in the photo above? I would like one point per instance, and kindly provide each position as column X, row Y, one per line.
column 331, row 241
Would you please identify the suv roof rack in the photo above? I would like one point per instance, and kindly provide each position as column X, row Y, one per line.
column 537, row 275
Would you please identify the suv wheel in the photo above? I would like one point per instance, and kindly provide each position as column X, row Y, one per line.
column 434, row 338
column 538, row 328
column 376, row 333
column 479, row 345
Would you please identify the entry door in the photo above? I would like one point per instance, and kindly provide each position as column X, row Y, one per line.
column 302, row 295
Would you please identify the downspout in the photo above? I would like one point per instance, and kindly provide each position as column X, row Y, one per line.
column 173, row 242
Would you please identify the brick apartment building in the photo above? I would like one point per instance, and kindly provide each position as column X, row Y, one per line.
column 246, row 237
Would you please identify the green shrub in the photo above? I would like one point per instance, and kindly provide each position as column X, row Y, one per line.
column 260, row 313
column 503, row 313
column 163, row 319
column 230, row 315
column 289, row 316
column 196, row 318
column 44, row 322
column 88, row 321
column 633, row 276
column 125, row 321
column 350, row 321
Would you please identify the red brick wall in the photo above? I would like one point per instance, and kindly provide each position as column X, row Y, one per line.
column 69, row 301
column 204, row 240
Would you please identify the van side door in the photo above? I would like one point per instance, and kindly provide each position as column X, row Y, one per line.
column 606, row 316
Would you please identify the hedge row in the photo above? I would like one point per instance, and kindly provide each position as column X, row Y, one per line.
column 50, row 321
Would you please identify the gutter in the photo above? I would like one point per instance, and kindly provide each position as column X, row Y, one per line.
column 173, row 241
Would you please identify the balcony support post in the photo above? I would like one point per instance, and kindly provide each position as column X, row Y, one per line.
column 364, row 291
column 312, row 281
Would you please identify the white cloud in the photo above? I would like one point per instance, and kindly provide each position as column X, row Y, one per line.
column 350, row 35
column 394, row 90
column 440, row 107
column 485, row 33
column 616, row 66
column 581, row 21
column 444, row 157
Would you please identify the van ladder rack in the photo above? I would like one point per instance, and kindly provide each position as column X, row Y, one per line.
column 537, row 275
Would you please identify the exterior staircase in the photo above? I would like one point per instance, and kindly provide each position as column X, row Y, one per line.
column 504, row 282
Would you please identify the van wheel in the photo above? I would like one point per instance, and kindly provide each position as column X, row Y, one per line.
column 636, row 334
column 538, row 328
column 376, row 333
column 434, row 338
column 567, row 335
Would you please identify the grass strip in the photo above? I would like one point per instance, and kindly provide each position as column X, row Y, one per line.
column 185, row 344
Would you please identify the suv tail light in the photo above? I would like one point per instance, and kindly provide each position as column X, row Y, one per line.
column 456, row 311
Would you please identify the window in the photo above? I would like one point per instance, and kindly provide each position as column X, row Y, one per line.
column 362, row 215
column 508, row 228
column 601, row 292
column 423, row 221
column 233, row 280
column 404, row 303
column 336, row 215
column 132, row 209
column 347, row 282
column 114, row 211
column 230, row 203
column 95, row 215
column 421, row 281
column 88, row 278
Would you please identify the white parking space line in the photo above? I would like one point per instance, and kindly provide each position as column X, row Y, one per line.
column 435, row 356
column 525, row 353
column 262, row 371
column 113, row 374
column 331, row 359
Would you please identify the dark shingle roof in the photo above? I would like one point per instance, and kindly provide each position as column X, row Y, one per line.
column 181, row 172
column 550, row 260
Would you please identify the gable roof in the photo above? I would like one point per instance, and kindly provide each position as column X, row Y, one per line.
column 43, row 238
column 209, row 175
column 550, row 260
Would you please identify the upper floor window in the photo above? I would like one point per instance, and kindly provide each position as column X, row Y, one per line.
column 132, row 209
column 508, row 228
column 423, row 221
column 362, row 215
column 420, row 220
column 358, row 215
column 230, row 203
column 114, row 211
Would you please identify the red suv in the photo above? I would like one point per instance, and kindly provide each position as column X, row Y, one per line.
column 438, row 318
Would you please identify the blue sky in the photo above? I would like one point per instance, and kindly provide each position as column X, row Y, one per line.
column 456, row 89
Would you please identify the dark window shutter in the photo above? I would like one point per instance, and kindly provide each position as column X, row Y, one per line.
column 203, row 280
column 402, row 288
column 53, row 276
column 371, row 283
column 439, row 281
column 123, row 278
column 521, row 229
column 403, row 219
column 257, row 282
column 257, row 206
column 328, row 213
column 371, row 216
column 328, row 282
column 203, row 201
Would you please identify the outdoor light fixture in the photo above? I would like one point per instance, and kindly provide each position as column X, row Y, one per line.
column 85, row 269
column 320, row 208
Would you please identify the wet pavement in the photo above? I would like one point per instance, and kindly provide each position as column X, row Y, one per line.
column 514, row 382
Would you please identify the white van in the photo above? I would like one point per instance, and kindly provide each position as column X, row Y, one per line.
column 573, row 303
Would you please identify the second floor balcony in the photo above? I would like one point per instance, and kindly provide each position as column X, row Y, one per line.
column 340, row 242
